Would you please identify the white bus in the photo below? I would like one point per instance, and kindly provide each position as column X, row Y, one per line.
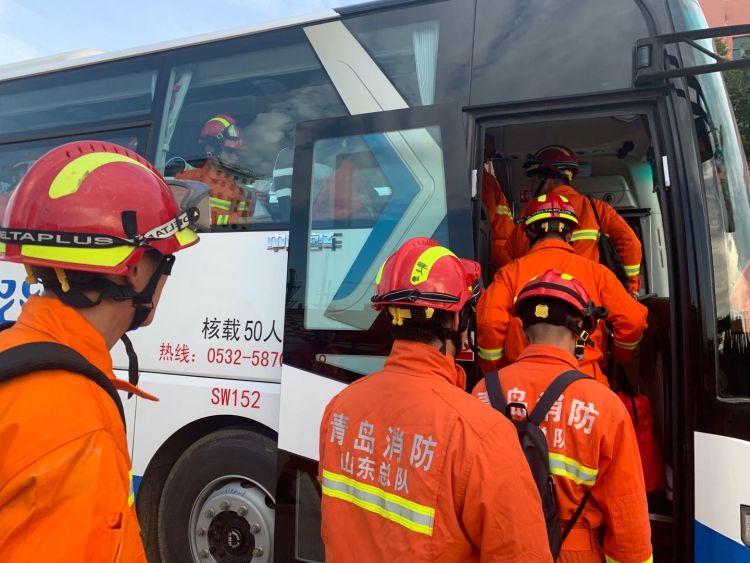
column 365, row 126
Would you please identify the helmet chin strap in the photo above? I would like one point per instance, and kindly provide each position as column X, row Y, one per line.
column 143, row 304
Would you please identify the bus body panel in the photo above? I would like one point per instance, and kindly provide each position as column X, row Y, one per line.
column 227, row 324
column 722, row 498
column 184, row 400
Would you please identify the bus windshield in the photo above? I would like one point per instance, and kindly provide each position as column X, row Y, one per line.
column 726, row 183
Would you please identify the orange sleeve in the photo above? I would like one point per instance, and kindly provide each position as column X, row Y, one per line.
column 620, row 491
column 502, row 512
column 625, row 240
column 493, row 317
column 501, row 217
column 74, row 504
column 626, row 315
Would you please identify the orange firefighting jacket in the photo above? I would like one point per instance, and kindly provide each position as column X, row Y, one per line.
column 592, row 444
column 585, row 237
column 415, row 469
column 501, row 337
column 229, row 204
column 501, row 218
column 65, row 474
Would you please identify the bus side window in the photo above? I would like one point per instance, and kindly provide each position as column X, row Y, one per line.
column 263, row 88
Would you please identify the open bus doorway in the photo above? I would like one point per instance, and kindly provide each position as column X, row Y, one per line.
column 618, row 164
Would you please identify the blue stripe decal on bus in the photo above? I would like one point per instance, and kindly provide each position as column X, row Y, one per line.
column 404, row 189
column 711, row 546
column 136, row 483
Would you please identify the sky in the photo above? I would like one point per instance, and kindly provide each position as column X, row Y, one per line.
column 37, row 28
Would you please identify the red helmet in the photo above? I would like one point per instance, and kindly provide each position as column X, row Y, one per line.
column 222, row 129
column 95, row 206
column 556, row 288
column 424, row 274
column 557, row 159
column 550, row 206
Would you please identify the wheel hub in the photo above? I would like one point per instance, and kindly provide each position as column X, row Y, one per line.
column 232, row 522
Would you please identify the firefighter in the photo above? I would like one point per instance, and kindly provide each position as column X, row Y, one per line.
column 98, row 227
column 549, row 224
column 592, row 445
column 493, row 198
column 412, row 467
column 551, row 170
column 221, row 139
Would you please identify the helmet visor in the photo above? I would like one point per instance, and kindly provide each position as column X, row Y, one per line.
column 192, row 199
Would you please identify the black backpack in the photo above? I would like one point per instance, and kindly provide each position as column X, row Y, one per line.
column 608, row 255
column 534, row 446
column 37, row 356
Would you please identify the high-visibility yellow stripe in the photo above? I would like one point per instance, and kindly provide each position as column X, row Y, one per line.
column 628, row 345
column 426, row 260
column 2, row 247
column 503, row 210
column 242, row 206
column 571, row 469
column 70, row 178
column 224, row 122
column 222, row 220
column 107, row 257
column 541, row 216
column 633, row 270
column 585, row 234
column 186, row 237
column 218, row 203
column 611, row 560
column 411, row 515
column 131, row 494
column 380, row 274
column 491, row 354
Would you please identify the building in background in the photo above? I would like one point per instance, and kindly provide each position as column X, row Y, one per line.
column 729, row 12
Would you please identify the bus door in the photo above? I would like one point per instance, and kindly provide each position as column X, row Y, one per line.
column 362, row 185
column 710, row 189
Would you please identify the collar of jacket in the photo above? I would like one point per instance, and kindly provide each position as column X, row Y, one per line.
column 546, row 354
column 552, row 243
column 566, row 191
column 422, row 360
column 55, row 321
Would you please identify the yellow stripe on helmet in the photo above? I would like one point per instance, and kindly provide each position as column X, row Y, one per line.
column 225, row 122
column 106, row 257
column 70, row 178
column 426, row 261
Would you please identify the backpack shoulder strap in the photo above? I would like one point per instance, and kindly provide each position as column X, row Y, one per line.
column 596, row 213
column 494, row 391
column 37, row 356
column 553, row 392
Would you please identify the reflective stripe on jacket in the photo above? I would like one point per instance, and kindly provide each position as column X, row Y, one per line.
column 415, row 469
column 500, row 336
column 65, row 472
column 585, row 237
column 229, row 204
column 592, row 444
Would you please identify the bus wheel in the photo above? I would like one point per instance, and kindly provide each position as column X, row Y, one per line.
column 217, row 503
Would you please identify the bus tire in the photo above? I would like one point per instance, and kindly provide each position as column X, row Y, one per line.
column 218, row 500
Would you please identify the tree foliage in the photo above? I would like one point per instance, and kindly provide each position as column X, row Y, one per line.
column 738, row 86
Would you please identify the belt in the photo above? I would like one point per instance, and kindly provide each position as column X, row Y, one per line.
column 581, row 539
